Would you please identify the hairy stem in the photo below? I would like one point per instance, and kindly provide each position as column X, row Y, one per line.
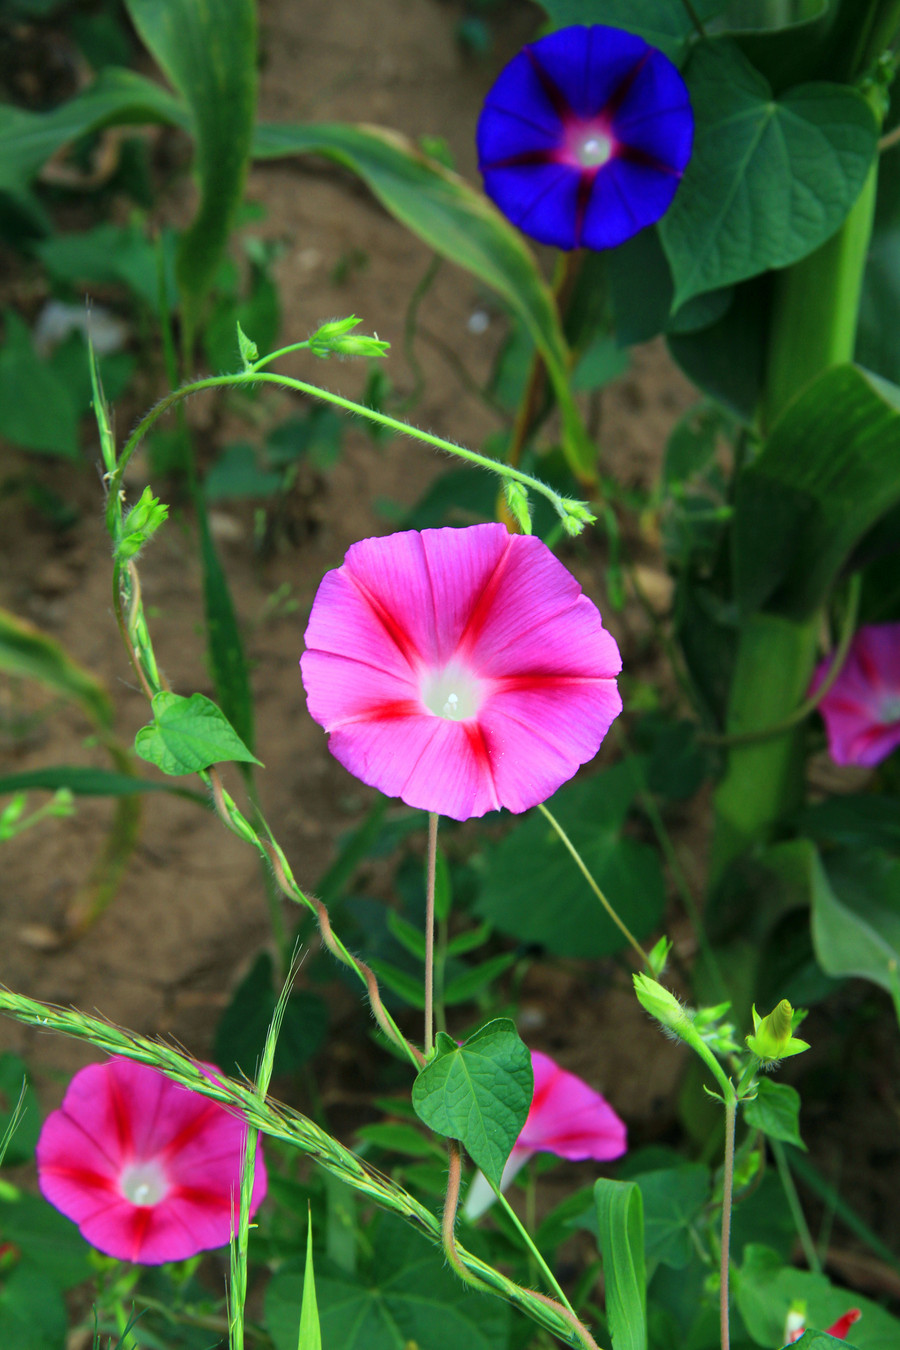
column 429, row 931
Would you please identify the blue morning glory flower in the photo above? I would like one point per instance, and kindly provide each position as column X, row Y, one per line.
column 584, row 137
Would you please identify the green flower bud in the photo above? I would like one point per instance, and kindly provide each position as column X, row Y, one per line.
column 517, row 501
column 336, row 338
column 574, row 515
column 772, row 1039
column 661, row 1004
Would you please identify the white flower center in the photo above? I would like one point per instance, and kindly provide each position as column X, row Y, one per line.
column 144, row 1183
column 453, row 693
column 594, row 150
column 890, row 708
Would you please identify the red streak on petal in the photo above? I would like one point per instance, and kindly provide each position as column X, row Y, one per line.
column 542, row 682
column 583, row 198
column 475, row 737
column 619, row 95
column 525, row 157
column 203, row 1197
column 190, row 1130
column 646, row 160
column 481, row 609
column 122, row 1117
column 141, row 1218
column 555, row 95
column 395, row 631
column 85, row 1178
column 381, row 712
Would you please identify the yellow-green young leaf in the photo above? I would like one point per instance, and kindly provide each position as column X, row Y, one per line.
column 620, row 1223
column 459, row 223
column 776, row 1111
column 207, row 49
column 310, row 1332
column 479, row 1093
column 189, row 734
column 26, row 651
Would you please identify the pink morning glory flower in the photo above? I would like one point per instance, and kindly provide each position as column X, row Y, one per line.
column 862, row 708
column 567, row 1118
column 584, row 137
column 148, row 1170
column 462, row 670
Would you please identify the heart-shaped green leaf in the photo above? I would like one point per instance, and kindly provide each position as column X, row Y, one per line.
column 479, row 1093
column 770, row 178
column 188, row 734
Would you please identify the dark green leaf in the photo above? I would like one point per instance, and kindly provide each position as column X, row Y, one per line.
column 859, row 821
column 659, row 22
column 826, row 474
column 727, row 359
column 469, row 985
column 769, row 179
column 241, row 1033
column 410, row 1298
column 820, row 1340
column 620, row 1224
column 27, row 140
column 765, row 1288
column 408, row 936
column 398, row 1137
column 406, row 986
column 188, row 734
column 457, row 222
column 776, row 1111
column 111, row 253
column 46, row 1240
column 208, row 52
column 856, row 914
column 479, row 1093
column 674, row 1198
column 236, row 474
column 32, row 1311
column 36, row 408
column 533, row 890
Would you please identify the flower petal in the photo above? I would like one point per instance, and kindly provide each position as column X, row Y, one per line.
column 428, row 762
column 861, row 711
column 569, row 1118
column 538, row 736
column 589, row 64
column 541, row 199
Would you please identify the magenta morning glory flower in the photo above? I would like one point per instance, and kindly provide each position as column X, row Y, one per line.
column 461, row 670
column 862, row 707
column 567, row 1118
column 584, row 137
column 148, row 1170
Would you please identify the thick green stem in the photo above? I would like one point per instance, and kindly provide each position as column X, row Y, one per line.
column 814, row 321
column 764, row 779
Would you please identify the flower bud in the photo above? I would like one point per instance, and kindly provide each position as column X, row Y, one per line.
column 661, row 1004
column 772, row 1039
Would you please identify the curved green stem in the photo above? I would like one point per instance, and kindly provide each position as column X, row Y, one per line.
column 562, row 505
column 532, row 1248
column 582, row 867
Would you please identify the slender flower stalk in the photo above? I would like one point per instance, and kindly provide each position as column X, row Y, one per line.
column 431, row 873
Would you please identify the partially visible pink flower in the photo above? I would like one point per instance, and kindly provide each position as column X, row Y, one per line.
column 567, row 1118
column 149, row 1170
column 461, row 670
column 796, row 1326
column 862, row 708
